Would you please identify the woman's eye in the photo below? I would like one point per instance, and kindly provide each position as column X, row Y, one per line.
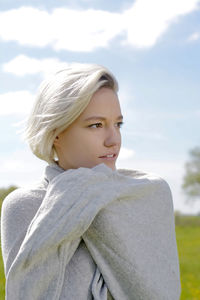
column 99, row 125
column 119, row 124
column 96, row 125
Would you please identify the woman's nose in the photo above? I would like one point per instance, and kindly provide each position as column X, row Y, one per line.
column 112, row 137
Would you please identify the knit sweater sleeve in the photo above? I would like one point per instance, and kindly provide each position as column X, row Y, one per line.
column 72, row 200
column 126, row 223
column 133, row 242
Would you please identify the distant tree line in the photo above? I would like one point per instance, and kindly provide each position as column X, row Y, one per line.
column 191, row 180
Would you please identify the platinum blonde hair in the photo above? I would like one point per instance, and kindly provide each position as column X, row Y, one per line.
column 60, row 100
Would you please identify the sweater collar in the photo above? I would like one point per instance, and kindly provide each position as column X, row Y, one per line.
column 53, row 170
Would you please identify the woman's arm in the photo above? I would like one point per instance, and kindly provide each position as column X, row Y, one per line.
column 71, row 202
column 133, row 243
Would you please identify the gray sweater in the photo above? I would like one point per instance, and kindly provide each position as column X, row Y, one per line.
column 91, row 234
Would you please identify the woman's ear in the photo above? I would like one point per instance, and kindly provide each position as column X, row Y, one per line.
column 56, row 141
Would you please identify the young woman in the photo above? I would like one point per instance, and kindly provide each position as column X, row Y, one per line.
column 87, row 230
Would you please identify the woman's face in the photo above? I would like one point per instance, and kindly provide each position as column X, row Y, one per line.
column 94, row 137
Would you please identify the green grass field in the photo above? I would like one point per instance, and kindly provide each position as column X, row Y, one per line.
column 188, row 240
column 2, row 280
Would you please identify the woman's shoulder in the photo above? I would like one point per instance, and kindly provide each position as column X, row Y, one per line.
column 140, row 174
column 152, row 179
column 134, row 173
column 23, row 200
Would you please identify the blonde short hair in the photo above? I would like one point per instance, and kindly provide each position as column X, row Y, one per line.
column 61, row 99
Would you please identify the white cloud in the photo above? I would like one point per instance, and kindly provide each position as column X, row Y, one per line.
column 147, row 20
column 194, row 37
column 15, row 103
column 74, row 30
column 126, row 153
column 85, row 30
column 21, row 168
column 23, row 65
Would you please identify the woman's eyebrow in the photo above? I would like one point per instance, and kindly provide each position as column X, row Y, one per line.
column 101, row 118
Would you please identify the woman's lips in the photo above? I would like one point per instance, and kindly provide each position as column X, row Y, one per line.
column 109, row 157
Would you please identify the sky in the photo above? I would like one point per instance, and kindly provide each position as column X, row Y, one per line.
column 153, row 49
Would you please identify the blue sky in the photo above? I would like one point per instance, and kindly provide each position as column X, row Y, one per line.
column 152, row 47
